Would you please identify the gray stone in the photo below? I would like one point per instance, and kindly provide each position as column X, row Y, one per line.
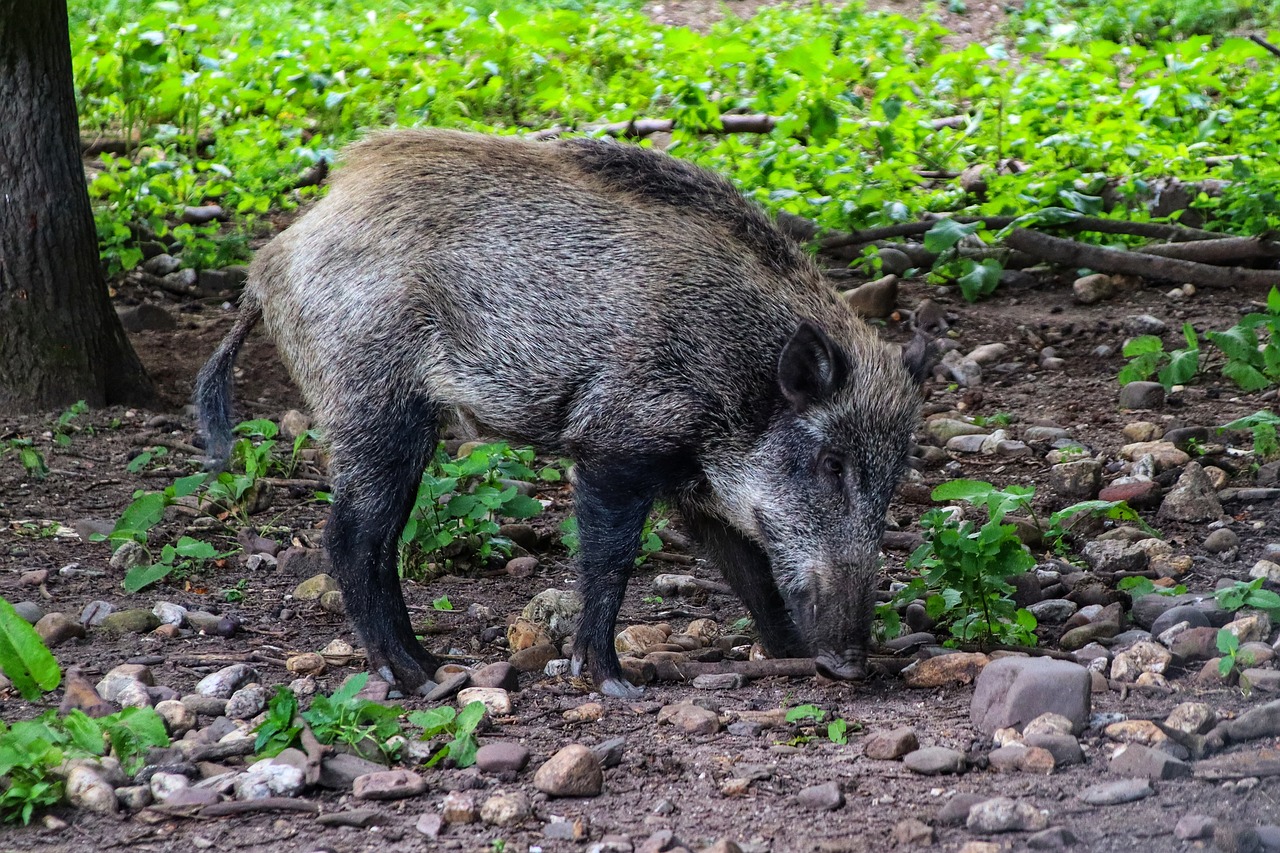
column 246, row 702
column 1192, row 827
column 269, row 779
column 1221, row 541
column 825, row 797
column 1265, row 569
column 86, row 789
column 340, row 770
column 1093, row 288
column 944, row 429
column 1077, row 480
column 128, row 555
column 117, row 678
column 314, row 587
column 875, row 299
column 224, row 682
column 30, row 612
column 1182, row 613
column 1114, row 555
column 955, row 812
column 1065, row 749
column 1053, row 838
column 1052, row 611
column 720, row 681
column 1014, row 691
column 429, row 824
column 1144, row 324
column 502, row 756
column 967, row 443
column 506, row 808
column 934, row 760
column 610, row 751
column 130, row 622
column 1142, row 395
column 1115, row 793
column 501, row 674
column 170, row 614
column 1236, row 838
column 388, row 785
column 1192, row 499
column 1002, row 814
column 1262, row 680
column 144, row 317
column 1134, row 759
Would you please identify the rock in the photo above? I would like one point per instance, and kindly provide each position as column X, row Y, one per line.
column 224, row 682
column 934, row 760
column 875, row 299
column 610, row 751
column 952, row 668
column 911, row 833
column 1052, row 611
column 1114, row 555
column 459, row 807
column 1077, row 480
column 1142, row 395
column 1115, row 793
column 1193, row 718
column 1164, row 454
column 79, row 693
column 1262, row 680
column 1144, row 656
column 1065, row 749
column 1134, row 759
column 1222, row 540
column 1254, row 628
column 429, row 824
column 1192, row 827
column 1002, row 814
column 57, row 628
column 640, row 639
column 1145, row 324
column 497, row 702
column 1093, row 288
column 130, row 622
column 1195, row 644
column 1053, row 838
column 894, row 261
column 891, row 744
column 1139, row 493
column 307, row 663
column 506, row 809
column 340, row 770
column 826, row 797
column 388, row 785
column 30, row 612
column 269, row 778
column 501, row 757
column 1193, row 617
column 1261, row 569
column 500, row 675
column 574, row 771
column 967, row 443
column 944, row 429
column 534, row 658
column 178, row 718
column 86, row 789
column 246, row 702
column 556, row 610
column 1192, row 499
column 587, row 712
column 1019, row 757
column 1236, row 838
column 1256, row 723
column 690, row 719
column 1013, row 691
column 314, row 587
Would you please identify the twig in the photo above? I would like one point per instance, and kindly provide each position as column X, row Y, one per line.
column 297, row 482
column 314, row 749
column 1070, row 253
column 266, row 804
column 638, row 128
column 666, row 557
column 1263, row 43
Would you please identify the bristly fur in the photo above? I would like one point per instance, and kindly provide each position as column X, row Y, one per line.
column 603, row 302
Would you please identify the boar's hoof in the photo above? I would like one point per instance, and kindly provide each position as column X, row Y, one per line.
column 841, row 667
column 619, row 688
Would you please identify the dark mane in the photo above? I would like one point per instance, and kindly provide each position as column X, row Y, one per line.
column 666, row 180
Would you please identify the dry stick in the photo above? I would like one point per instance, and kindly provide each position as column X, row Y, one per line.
column 1154, row 230
column 638, row 128
column 314, row 749
column 1070, row 253
column 266, row 804
column 1227, row 251
column 770, row 668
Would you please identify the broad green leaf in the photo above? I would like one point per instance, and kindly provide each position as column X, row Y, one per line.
column 141, row 577
column 24, row 659
column 946, row 233
column 186, row 486
column 188, row 547
column 980, row 280
column 805, row 712
column 1227, row 642
column 1143, row 345
column 1246, row 376
column 140, row 516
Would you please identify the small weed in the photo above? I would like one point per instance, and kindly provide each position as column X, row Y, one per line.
column 442, row 603
column 1249, row 594
column 837, row 730
column 1233, row 659
column 146, row 458
column 1148, row 358
column 1253, row 362
column 1138, row 586
column 655, row 600
column 62, row 427
column 361, row 724
column 1266, row 444
column 32, row 460
column 183, row 556
column 459, row 726
column 235, row 594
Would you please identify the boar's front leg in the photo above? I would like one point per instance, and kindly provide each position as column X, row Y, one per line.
column 611, row 509
column 379, row 463
column 746, row 566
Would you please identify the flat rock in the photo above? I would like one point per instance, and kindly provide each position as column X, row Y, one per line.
column 388, row 785
column 953, row 668
column 934, row 760
column 57, row 628
column 955, row 812
column 1142, row 395
column 825, row 797
column 891, row 744
column 1134, row 759
column 134, row 621
column 224, row 682
column 574, row 771
column 506, row 808
column 534, row 658
column 501, row 757
column 339, row 770
column 497, row 702
column 1192, row 827
column 1014, row 691
column 269, row 779
column 691, row 719
column 1115, row 793
column 500, row 675
column 314, row 587
column 1002, row 814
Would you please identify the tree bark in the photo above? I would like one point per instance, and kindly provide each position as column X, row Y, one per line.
column 60, row 339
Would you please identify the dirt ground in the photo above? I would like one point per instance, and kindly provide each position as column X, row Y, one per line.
column 666, row 780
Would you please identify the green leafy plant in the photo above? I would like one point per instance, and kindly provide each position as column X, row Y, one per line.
column 32, row 459
column 442, row 603
column 62, row 427
column 184, row 555
column 836, row 731
column 1148, row 357
column 460, row 502
column 280, row 728
column 1138, row 586
column 24, row 658
column 459, row 726
column 1253, row 362
column 1263, row 424
column 1249, row 594
column 964, row 567
column 342, row 717
column 650, row 541
column 144, row 459
column 1232, row 658
column 975, row 278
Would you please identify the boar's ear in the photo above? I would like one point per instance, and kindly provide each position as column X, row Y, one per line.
column 919, row 356
column 811, row 368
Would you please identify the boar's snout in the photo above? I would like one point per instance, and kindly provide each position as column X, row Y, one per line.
column 850, row 665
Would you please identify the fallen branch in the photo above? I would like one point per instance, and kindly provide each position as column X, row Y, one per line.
column 1224, row 251
column 638, row 128
column 1070, row 253
column 1097, row 225
column 313, row 748
column 1263, row 43
column 266, row 804
column 666, row 670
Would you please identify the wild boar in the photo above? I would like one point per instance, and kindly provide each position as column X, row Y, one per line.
column 603, row 302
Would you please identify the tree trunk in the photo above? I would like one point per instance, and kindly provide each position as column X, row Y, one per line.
column 60, row 339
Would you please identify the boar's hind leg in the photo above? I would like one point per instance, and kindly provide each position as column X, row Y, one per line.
column 611, row 513
column 746, row 566
column 379, row 464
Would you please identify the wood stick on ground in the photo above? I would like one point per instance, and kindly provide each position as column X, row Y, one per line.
column 769, row 668
column 266, row 804
column 638, row 128
column 1069, row 253
column 1222, row 252
column 1153, row 230
column 1263, row 43
column 313, row 748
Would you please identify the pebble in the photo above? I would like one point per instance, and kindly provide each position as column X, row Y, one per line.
column 502, row 756
column 587, row 712
column 1192, row 718
column 246, row 702
column 86, row 789
column 1053, row 838
column 57, row 628
column 224, row 682
column 1002, row 814
column 497, row 702
column 178, row 718
column 1142, row 395
column 1192, row 827
column 340, row 770
column 534, row 658
column 1014, row 691
column 1164, row 454
column 690, row 719
column 556, row 610
column 314, row 587
column 459, row 807
column 891, row 744
column 1223, row 540
column 130, row 622
column 1261, row 569
column 269, row 779
column 874, row 299
column 1192, row 499
column 1254, row 628
column 951, row 668
column 498, row 675
column 169, row 613
column 1192, row 617
column 935, row 760
column 1093, row 288
column 121, row 676
column 30, row 612
column 1134, row 759
column 1115, row 793
column 955, row 812
column 506, row 808
column 388, row 785
column 720, row 681
column 1052, row 611
column 1065, row 749
column 128, row 555
column 574, row 771
column 429, row 824
column 825, row 797
column 1079, row 480
column 610, row 752
column 1143, row 656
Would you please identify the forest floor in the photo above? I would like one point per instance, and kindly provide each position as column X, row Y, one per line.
column 668, row 779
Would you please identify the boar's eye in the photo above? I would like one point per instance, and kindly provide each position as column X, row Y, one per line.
column 831, row 465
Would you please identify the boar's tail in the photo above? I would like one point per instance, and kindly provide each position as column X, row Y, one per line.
column 213, row 386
